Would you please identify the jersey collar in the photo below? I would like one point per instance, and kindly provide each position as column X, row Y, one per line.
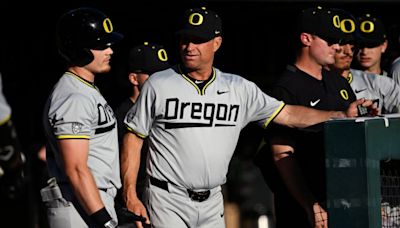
column 202, row 90
column 88, row 83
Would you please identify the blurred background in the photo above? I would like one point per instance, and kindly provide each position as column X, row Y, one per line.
column 257, row 44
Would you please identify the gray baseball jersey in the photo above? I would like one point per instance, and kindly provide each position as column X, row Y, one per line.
column 77, row 110
column 5, row 110
column 193, row 132
column 373, row 86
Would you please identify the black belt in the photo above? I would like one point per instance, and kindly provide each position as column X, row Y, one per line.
column 196, row 196
column 159, row 183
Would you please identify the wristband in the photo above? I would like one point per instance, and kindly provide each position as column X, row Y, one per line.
column 111, row 224
column 102, row 218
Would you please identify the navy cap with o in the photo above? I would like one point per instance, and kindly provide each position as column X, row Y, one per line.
column 201, row 23
column 321, row 22
column 372, row 31
column 148, row 58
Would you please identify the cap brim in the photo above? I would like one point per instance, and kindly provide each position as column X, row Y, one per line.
column 150, row 69
column 370, row 43
column 194, row 33
column 347, row 40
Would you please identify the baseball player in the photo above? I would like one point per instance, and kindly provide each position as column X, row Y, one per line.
column 395, row 70
column 372, row 44
column 298, row 154
column 192, row 114
column 12, row 159
column 82, row 140
column 144, row 60
column 383, row 90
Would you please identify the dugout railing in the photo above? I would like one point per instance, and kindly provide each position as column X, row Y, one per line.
column 362, row 172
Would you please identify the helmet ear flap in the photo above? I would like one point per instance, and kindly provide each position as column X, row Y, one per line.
column 77, row 56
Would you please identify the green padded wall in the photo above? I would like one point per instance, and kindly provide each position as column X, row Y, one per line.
column 353, row 150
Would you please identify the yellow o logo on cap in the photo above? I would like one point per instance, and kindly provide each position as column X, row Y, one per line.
column 344, row 27
column 344, row 94
column 107, row 25
column 336, row 21
column 365, row 25
column 195, row 19
column 162, row 55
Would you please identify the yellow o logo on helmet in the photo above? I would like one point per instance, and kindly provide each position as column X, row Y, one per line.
column 367, row 26
column 195, row 19
column 344, row 94
column 107, row 25
column 162, row 55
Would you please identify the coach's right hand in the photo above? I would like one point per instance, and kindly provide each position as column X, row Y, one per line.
column 352, row 111
column 136, row 206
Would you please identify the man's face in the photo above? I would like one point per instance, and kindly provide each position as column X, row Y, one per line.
column 344, row 57
column 101, row 61
column 198, row 54
column 369, row 57
column 322, row 50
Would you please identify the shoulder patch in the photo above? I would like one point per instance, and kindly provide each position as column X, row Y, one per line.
column 76, row 127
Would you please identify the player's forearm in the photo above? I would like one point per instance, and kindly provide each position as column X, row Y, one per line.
column 75, row 153
column 301, row 116
column 130, row 162
column 294, row 181
column 85, row 189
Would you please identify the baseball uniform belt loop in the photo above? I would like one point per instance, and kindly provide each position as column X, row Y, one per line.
column 199, row 196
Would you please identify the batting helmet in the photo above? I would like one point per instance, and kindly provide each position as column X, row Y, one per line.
column 82, row 29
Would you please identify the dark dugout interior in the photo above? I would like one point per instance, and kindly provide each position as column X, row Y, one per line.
column 257, row 44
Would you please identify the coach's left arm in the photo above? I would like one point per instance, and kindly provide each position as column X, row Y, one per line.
column 130, row 162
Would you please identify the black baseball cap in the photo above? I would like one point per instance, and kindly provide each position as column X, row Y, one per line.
column 372, row 31
column 148, row 58
column 348, row 26
column 322, row 23
column 201, row 23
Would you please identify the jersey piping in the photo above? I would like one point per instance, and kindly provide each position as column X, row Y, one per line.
column 274, row 115
column 5, row 120
column 203, row 91
column 135, row 132
column 82, row 80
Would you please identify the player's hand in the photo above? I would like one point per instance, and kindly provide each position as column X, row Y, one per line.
column 318, row 216
column 137, row 208
column 130, row 217
column 371, row 108
column 42, row 153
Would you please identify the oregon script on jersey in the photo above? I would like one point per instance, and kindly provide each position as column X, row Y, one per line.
column 177, row 111
column 77, row 110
